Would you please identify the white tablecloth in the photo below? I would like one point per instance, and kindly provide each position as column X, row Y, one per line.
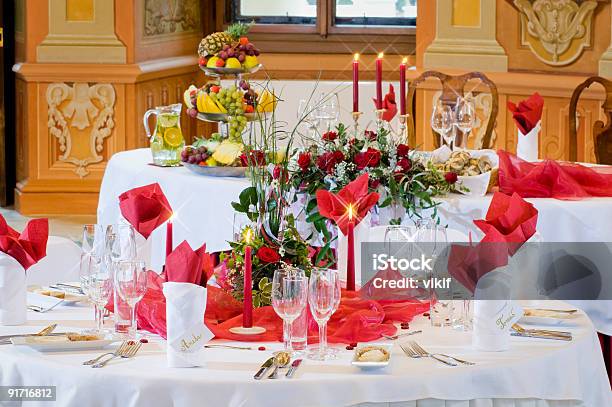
column 532, row 373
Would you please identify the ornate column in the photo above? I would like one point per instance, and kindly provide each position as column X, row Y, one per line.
column 466, row 37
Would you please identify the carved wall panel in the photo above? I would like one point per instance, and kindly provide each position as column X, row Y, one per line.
column 80, row 117
column 556, row 31
column 171, row 17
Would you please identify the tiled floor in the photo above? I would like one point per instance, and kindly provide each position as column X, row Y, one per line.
column 65, row 226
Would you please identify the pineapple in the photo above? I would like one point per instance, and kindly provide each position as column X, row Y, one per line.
column 214, row 42
column 227, row 152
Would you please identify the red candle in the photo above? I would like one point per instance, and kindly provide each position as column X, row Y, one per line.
column 356, row 83
column 403, row 86
column 350, row 260
column 169, row 236
column 247, row 315
column 379, row 81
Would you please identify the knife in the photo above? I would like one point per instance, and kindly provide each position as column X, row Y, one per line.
column 264, row 368
column 8, row 337
column 542, row 336
column 294, row 366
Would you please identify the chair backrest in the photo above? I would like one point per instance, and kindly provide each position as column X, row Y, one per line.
column 602, row 133
column 452, row 86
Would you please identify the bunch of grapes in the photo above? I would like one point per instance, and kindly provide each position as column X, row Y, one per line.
column 193, row 155
column 231, row 99
column 244, row 48
column 250, row 96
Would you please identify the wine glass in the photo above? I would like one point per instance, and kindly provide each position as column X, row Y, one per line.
column 305, row 114
column 120, row 242
column 92, row 243
column 289, row 295
column 131, row 286
column 99, row 286
column 465, row 116
column 323, row 299
column 442, row 122
column 327, row 110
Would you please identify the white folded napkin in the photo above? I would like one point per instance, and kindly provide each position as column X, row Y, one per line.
column 494, row 311
column 13, row 290
column 186, row 332
column 527, row 145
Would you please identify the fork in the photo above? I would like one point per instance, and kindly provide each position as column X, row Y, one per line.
column 37, row 308
column 394, row 337
column 126, row 354
column 117, row 351
column 418, row 352
column 419, row 349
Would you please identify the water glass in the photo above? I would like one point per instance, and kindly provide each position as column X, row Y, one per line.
column 299, row 331
column 323, row 299
column 465, row 116
column 289, row 296
column 327, row 110
column 463, row 315
column 131, row 286
column 98, row 286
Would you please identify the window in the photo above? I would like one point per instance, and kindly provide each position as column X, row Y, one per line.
column 323, row 26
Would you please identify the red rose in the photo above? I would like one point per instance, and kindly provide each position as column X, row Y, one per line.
column 402, row 150
column 398, row 175
column 369, row 158
column 276, row 172
column 374, row 183
column 330, row 136
column 370, row 135
column 450, row 177
column 254, row 157
column 268, row 255
column 327, row 161
column 405, row 164
column 304, row 161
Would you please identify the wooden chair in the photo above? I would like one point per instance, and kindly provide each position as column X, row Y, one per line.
column 452, row 86
column 602, row 134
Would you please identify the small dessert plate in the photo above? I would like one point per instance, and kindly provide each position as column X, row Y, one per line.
column 59, row 343
column 372, row 356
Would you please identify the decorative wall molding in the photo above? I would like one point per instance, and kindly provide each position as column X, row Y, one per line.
column 80, row 106
column 171, row 17
column 556, row 31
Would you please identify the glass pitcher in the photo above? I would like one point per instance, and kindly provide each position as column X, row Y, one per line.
column 167, row 141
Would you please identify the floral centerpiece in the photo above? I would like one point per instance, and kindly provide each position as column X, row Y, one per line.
column 396, row 172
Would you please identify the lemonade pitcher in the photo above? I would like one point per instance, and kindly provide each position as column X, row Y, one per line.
column 167, row 140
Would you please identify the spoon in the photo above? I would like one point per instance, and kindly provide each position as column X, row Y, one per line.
column 281, row 360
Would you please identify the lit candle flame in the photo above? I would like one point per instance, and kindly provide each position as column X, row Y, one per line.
column 248, row 235
column 405, row 61
column 350, row 211
column 172, row 217
column 356, row 57
column 380, row 55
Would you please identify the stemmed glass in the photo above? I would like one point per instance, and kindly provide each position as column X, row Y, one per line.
column 465, row 116
column 131, row 286
column 442, row 122
column 323, row 298
column 99, row 286
column 92, row 244
column 305, row 113
column 289, row 295
column 327, row 110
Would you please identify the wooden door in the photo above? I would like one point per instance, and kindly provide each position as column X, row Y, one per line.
column 7, row 92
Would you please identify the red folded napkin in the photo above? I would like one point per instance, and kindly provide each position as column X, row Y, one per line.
column 528, row 112
column 355, row 194
column 467, row 263
column 145, row 208
column 552, row 179
column 388, row 104
column 28, row 247
column 184, row 265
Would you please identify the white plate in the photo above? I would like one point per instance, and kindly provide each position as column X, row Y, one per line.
column 58, row 343
column 69, row 297
column 372, row 365
column 548, row 317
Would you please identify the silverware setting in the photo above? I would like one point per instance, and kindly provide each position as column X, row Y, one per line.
column 126, row 350
column 541, row 333
column 414, row 350
column 264, row 368
column 281, row 360
column 42, row 310
column 565, row 311
column 294, row 366
column 228, row 347
column 67, row 288
column 47, row 331
column 394, row 337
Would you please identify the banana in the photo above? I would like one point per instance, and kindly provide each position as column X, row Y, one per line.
column 220, row 106
column 200, row 102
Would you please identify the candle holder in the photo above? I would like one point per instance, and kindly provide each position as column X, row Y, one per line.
column 241, row 330
column 356, row 116
column 379, row 117
column 403, row 118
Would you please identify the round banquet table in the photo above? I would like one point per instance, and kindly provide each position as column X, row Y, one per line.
column 534, row 372
column 204, row 213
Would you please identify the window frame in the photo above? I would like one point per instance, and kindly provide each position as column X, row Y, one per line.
column 322, row 37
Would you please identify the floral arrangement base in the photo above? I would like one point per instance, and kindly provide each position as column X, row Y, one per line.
column 241, row 330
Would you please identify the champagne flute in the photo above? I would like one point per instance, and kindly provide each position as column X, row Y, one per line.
column 92, row 243
column 289, row 295
column 323, row 299
column 465, row 116
column 99, row 286
column 442, row 122
column 131, row 286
